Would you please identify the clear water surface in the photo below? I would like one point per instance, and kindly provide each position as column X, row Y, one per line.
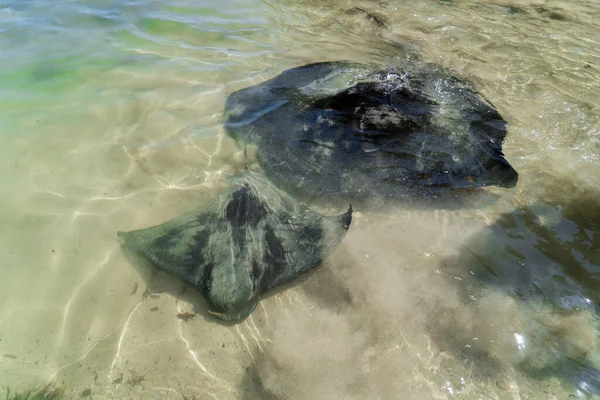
column 111, row 119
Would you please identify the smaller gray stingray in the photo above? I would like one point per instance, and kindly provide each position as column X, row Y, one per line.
column 238, row 246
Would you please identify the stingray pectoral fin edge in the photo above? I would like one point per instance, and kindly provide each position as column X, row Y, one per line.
column 237, row 316
column 348, row 217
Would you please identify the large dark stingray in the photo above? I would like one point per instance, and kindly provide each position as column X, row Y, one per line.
column 247, row 241
column 349, row 130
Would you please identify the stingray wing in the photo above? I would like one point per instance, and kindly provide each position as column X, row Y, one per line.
column 178, row 247
column 280, row 237
column 297, row 85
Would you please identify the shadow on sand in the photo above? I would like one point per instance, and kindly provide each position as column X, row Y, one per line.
column 541, row 261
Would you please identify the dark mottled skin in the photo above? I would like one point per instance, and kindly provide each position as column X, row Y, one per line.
column 244, row 243
column 342, row 129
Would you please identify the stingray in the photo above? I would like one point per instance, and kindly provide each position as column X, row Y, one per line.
column 345, row 129
column 250, row 239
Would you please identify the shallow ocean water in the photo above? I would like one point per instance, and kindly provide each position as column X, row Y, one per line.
column 111, row 119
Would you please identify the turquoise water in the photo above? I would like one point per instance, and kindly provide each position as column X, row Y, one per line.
column 111, row 119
